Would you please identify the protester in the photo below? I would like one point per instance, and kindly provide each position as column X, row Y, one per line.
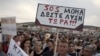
column 1, row 51
column 63, row 49
column 38, row 51
column 27, row 34
column 21, row 37
column 34, row 40
column 25, row 45
column 98, row 48
column 6, row 44
column 49, row 50
column 92, row 42
column 78, row 48
column 16, row 38
column 89, row 50
column 46, row 37
column 42, row 44
column 72, row 50
column 37, row 36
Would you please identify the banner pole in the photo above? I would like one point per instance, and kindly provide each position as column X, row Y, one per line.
column 56, row 42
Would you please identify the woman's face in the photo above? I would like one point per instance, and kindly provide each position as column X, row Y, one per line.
column 27, row 44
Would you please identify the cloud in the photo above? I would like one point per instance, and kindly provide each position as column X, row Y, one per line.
column 25, row 10
column 96, row 2
column 92, row 20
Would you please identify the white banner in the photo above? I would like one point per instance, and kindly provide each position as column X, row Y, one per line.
column 60, row 16
column 15, row 50
column 8, row 25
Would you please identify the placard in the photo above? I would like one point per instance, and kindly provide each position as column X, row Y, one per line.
column 8, row 25
column 60, row 16
column 15, row 50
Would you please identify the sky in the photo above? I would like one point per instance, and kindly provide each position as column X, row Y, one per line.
column 25, row 10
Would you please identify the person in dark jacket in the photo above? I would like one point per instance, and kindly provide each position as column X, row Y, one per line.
column 1, row 52
column 50, row 52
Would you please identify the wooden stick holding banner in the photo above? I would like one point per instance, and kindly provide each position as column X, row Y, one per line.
column 56, row 43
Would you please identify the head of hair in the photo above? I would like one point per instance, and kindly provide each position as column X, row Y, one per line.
column 23, row 42
column 63, row 41
column 50, row 41
column 14, row 37
column 90, row 48
column 40, row 42
column 71, row 43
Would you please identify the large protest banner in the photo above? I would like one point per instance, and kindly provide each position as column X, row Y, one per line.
column 60, row 16
column 8, row 25
column 15, row 50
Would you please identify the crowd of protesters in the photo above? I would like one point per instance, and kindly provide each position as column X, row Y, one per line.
column 43, row 44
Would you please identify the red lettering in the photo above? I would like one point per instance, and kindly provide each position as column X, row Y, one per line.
column 75, row 22
column 61, row 20
column 51, row 8
column 66, row 22
column 55, row 21
column 46, row 7
column 57, row 9
column 72, row 23
column 50, row 19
